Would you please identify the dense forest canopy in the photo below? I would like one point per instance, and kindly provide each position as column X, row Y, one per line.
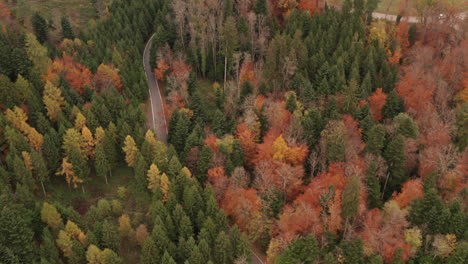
column 298, row 132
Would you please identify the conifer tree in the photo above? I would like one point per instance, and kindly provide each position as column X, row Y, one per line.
column 17, row 235
column 375, row 139
column 149, row 252
column 395, row 156
column 204, row 163
column 39, row 169
column 260, row 7
column 110, row 235
column 350, row 201
column 222, row 250
column 80, row 165
column 101, row 162
column 67, row 31
column 40, row 27
column 393, row 106
column 48, row 250
column 301, row 250
column 37, row 54
column 53, row 100
column 131, row 150
column 373, row 186
column 164, row 185
column 154, row 177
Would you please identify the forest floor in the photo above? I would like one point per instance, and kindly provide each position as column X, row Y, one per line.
column 79, row 12
column 95, row 189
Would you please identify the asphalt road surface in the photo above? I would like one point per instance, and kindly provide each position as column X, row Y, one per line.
column 158, row 120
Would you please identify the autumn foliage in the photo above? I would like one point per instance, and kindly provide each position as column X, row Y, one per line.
column 304, row 215
column 383, row 233
column 242, row 204
column 161, row 69
column 105, row 77
column 247, row 73
column 411, row 190
column 76, row 74
column 377, row 102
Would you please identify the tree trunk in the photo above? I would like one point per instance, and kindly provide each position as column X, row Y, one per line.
column 385, row 185
column 105, row 177
column 82, row 188
column 43, row 189
column 225, row 72
column 214, row 58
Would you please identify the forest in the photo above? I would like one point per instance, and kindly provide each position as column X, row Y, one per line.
column 298, row 132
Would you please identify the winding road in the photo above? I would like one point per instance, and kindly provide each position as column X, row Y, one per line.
column 158, row 119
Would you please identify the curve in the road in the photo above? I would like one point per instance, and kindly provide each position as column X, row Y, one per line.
column 158, row 122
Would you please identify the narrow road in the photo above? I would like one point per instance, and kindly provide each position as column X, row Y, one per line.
column 158, row 119
column 410, row 19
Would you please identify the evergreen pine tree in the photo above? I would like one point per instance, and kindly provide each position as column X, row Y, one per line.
column 101, row 163
column 48, row 250
column 204, row 163
column 40, row 27
column 291, row 104
column 393, row 106
column 373, row 186
column 395, row 157
column 223, row 250
column 301, row 250
column 17, row 235
column 375, row 139
column 149, row 253
column 110, row 235
column 67, row 31
column 260, row 7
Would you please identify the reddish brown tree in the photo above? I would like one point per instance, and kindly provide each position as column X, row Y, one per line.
column 377, row 102
column 241, row 204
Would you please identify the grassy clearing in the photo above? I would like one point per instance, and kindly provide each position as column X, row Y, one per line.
column 79, row 12
column 95, row 189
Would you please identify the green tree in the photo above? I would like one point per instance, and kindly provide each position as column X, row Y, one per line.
column 291, row 103
column 230, row 42
column 67, row 31
column 37, row 54
column 373, row 186
column 204, row 163
column 375, row 139
column 39, row 169
column 350, row 201
column 223, row 250
column 167, row 259
column 260, row 7
column 80, row 165
column 110, row 235
column 302, row 250
column 40, row 27
column 406, row 126
column 395, row 156
column 51, row 149
column 101, row 163
column 110, row 257
column 393, row 106
column 149, row 252
column 16, row 233
column 48, row 250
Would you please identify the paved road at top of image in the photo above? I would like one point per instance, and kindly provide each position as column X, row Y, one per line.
column 410, row 19
column 158, row 120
